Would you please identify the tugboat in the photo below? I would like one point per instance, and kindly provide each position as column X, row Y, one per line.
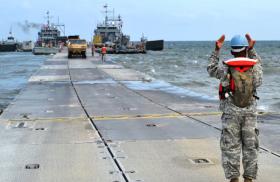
column 47, row 42
column 109, row 33
column 9, row 45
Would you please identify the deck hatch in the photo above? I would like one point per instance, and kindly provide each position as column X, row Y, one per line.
column 32, row 166
column 151, row 125
column 201, row 161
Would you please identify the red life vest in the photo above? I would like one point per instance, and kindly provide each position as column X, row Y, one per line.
column 103, row 50
column 241, row 64
column 241, row 61
column 240, row 80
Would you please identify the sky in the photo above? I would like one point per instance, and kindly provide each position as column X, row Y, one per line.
column 171, row 20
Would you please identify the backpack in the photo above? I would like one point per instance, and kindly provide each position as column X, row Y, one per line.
column 240, row 89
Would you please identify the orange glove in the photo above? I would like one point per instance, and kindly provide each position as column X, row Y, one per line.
column 220, row 42
column 251, row 42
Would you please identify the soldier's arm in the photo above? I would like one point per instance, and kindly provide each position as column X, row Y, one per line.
column 257, row 70
column 253, row 55
column 213, row 67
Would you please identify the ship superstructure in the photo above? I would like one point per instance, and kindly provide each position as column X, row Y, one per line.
column 10, row 44
column 47, row 42
column 109, row 33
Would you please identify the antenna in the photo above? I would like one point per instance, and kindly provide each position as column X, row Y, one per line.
column 11, row 30
column 121, row 22
column 48, row 17
column 106, row 13
column 107, row 19
column 61, row 26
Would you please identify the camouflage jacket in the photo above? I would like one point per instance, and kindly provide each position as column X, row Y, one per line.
column 220, row 71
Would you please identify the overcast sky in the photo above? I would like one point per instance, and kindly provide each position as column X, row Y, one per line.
column 157, row 19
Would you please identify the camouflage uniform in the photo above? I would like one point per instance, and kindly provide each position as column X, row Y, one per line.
column 239, row 125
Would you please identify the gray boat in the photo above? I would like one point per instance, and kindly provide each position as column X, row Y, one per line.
column 9, row 45
column 109, row 33
column 47, row 42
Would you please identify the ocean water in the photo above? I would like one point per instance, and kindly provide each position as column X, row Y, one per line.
column 183, row 64
column 15, row 70
column 180, row 67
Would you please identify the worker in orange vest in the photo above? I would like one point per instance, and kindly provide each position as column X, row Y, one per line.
column 103, row 52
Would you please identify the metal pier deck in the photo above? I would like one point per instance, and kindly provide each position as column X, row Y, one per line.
column 80, row 120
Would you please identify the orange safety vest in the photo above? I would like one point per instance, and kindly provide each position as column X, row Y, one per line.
column 103, row 50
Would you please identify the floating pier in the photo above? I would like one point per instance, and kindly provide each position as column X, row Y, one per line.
column 81, row 120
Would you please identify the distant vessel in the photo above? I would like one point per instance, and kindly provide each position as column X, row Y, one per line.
column 109, row 33
column 47, row 42
column 9, row 45
column 155, row 45
column 27, row 46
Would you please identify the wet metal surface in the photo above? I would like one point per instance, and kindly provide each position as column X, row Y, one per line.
column 116, row 99
column 52, row 100
column 77, row 64
column 91, row 82
column 59, row 62
column 51, row 72
column 126, row 74
column 54, row 67
column 161, row 86
column 48, row 131
column 88, row 74
column 154, row 129
column 58, row 162
column 49, row 78
column 180, row 102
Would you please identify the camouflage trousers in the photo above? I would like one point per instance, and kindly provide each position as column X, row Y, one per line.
column 239, row 133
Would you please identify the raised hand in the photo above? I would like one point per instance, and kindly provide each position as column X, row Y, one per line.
column 251, row 42
column 220, row 42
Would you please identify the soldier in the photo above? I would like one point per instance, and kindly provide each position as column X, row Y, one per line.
column 239, row 118
column 103, row 52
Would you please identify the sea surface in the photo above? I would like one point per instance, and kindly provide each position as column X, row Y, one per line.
column 181, row 67
column 15, row 70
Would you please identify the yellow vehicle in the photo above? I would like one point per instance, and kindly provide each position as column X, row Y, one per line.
column 97, row 40
column 77, row 47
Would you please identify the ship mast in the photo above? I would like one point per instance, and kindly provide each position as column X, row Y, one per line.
column 61, row 26
column 48, row 18
column 106, row 19
column 11, row 30
column 106, row 14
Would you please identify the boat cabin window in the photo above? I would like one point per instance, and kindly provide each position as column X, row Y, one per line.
column 77, row 41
